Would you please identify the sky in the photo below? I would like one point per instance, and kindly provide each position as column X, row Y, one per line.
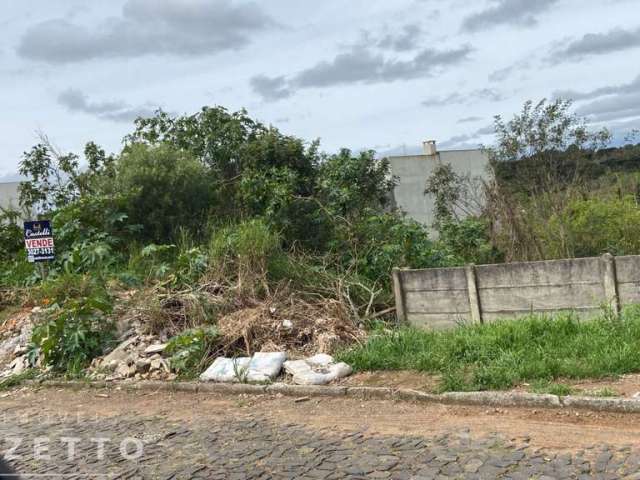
column 359, row 74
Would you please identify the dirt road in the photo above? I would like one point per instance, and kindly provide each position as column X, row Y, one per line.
column 117, row 434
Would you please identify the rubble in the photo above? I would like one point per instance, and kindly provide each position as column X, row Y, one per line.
column 138, row 356
column 15, row 335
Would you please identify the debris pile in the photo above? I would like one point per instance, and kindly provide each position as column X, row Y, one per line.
column 299, row 327
column 15, row 335
column 138, row 357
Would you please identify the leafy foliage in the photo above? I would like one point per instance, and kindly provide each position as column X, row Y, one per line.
column 73, row 333
column 189, row 350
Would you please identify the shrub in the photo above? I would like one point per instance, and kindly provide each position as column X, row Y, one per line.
column 165, row 189
column 73, row 334
column 375, row 243
column 189, row 350
column 243, row 251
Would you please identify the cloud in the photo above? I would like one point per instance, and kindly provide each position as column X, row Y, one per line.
column 360, row 65
column 489, row 94
column 406, row 40
column 507, row 12
column 468, row 140
column 116, row 111
column 270, row 88
column 615, row 40
column 469, row 119
column 148, row 27
column 631, row 87
column 609, row 103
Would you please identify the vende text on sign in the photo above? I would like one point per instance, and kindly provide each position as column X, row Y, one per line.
column 38, row 240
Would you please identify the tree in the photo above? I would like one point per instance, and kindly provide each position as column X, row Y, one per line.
column 55, row 179
column 537, row 165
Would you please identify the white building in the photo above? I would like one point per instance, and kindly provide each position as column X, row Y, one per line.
column 414, row 170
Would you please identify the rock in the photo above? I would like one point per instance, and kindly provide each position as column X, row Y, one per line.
column 157, row 348
column 20, row 350
column 287, row 324
column 125, row 371
column 143, row 365
column 119, row 354
column 159, row 364
column 19, row 365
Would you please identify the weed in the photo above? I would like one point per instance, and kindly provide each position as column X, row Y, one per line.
column 559, row 389
column 17, row 379
column 604, row 392
column 503, row 354
column 190, row 350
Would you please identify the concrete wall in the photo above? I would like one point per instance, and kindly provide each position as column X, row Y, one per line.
column 444, row 297
column 414, row 170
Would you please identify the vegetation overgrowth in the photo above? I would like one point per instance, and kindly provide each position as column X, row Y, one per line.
column 213, row 227
column 507, row 353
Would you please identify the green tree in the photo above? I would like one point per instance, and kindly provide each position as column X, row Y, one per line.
column 165, row 189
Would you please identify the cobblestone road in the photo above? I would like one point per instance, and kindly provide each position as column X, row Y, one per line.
column 255, row 446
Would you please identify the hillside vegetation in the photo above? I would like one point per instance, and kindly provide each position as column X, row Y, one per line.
column 215, row 232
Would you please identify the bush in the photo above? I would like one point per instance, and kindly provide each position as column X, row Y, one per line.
column 73, row 333
column 375, row 243
column 604, row 225
column 189, row 350
column 467, row 241
column 243, row 252
column 165, row 189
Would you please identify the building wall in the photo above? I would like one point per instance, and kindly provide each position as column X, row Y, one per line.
column 9, row 195
column 414, row 170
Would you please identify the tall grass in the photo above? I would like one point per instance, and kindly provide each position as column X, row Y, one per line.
column 502, row 354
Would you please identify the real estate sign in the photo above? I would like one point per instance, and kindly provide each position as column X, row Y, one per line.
column 38, row 239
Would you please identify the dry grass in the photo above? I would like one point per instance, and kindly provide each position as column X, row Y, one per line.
column 289, row 323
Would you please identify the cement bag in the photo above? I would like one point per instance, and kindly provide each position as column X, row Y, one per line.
column 265, row 366
column 317, row 370
column 226, row 369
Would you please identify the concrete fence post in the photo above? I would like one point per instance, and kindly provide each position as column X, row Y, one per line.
column 474, row 298
column 398, row 292
column 610, row 282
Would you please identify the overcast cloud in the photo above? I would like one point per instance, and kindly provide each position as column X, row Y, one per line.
column 356, row 73
column 115, row 110
column 615, row 40
column 521, row 13
column 145, row 27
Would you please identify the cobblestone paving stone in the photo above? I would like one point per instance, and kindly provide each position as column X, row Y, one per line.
column 256, row 448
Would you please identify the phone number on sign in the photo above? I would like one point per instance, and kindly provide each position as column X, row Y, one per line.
column 40, row 251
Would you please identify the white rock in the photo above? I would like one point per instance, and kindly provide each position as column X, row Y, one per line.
column 287, row 324
column 157, row 348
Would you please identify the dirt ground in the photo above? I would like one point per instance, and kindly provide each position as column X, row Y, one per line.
column 564, row 430
column 625, row 386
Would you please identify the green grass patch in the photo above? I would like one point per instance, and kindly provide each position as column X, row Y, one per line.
column 560, row 389
column 504, row 354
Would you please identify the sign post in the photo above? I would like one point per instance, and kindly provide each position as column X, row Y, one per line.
column 38, row 240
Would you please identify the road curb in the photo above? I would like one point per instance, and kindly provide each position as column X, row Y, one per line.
column 489, row 399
